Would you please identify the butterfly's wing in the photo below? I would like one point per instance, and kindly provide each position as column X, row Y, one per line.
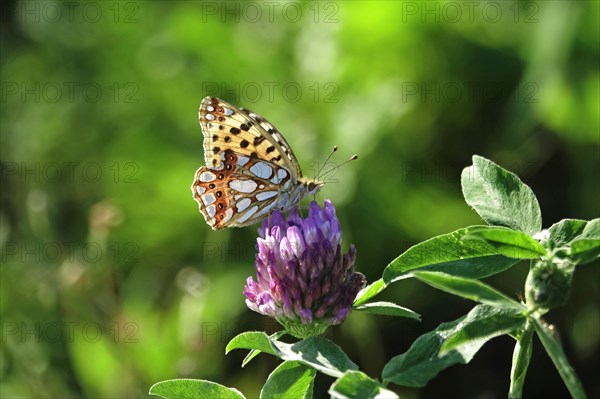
column 246, row 133
column 240, row 191
column 250, row 166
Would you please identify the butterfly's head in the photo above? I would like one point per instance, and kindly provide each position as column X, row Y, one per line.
column 312, row 186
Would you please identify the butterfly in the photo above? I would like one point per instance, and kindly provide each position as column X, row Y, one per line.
column 250, row 168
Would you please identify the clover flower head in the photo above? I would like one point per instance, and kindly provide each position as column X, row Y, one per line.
column 302, row 278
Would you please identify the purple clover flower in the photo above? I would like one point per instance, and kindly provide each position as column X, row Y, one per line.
column 302, row 278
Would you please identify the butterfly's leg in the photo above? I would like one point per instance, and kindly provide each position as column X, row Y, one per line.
column 269, row 219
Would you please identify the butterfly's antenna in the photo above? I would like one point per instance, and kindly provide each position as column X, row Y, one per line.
column 352, row 158
column 335, row 148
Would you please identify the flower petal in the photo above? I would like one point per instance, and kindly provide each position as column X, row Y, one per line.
column 294, row 234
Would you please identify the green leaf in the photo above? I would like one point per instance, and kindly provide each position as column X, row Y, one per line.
column 520, row 361
column 500, row 197
column 358, row 385
column 584, row 251
column 451, row 254
column 591, row 230
column 369, row 292
column 316, row 352
column 559, row 359
column 255, row 352
column 289, row 380
column 565, row 231
column 256, row 340
column 193, row 389
column 484, row 323
column 579, row 239
column 421, row 362
column 511, row 243
column 468, row 288
column 586, row 247
column 388, row 309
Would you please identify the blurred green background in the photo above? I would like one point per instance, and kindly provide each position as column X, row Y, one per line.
column 110, row 278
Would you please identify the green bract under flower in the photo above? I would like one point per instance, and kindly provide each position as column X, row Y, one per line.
column 302, row 278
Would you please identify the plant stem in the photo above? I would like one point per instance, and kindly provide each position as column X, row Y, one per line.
column 520, row 362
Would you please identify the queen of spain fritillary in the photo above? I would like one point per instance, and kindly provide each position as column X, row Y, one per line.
column 250, row 168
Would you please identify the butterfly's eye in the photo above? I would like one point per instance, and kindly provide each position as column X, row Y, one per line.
column 311, row 186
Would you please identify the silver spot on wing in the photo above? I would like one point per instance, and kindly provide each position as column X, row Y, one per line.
column 228, row 215
column 243, row 186
column 262, row 170
column 266, row 195
column 206, row 177
column 243, row 204
column 248, row 214
column 208, row 199
column 242, row 160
